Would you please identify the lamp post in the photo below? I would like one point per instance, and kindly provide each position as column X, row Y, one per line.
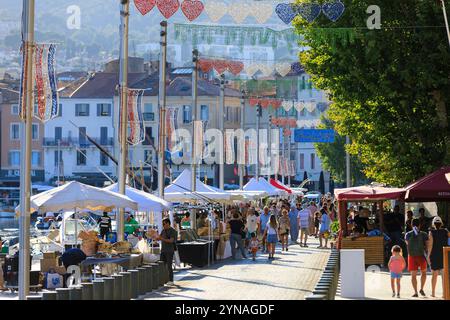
column 242, row 160
column 25, row 161
column 123, row 81
column 258, row 116
column 194, row 121
column 221, row 128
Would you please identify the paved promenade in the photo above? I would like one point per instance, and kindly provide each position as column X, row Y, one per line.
column 291, row 276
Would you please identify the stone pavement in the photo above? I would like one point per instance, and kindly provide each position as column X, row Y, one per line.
column 378, row 287
column 291, row 276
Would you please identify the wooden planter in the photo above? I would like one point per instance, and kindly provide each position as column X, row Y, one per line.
column 373, row 246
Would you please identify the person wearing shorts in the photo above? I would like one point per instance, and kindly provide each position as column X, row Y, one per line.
column 304, row 223
column 271, row 231
column 417, row 242
column 263, row 220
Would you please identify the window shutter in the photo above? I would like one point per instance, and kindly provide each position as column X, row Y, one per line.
column 99, row 110
column 87, row 110
column 109, row 110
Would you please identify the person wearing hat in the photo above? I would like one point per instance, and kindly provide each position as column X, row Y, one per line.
column 438, row 239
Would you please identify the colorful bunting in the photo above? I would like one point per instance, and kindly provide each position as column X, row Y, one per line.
column 239, row 12
column 308, row 11
column 334, row 10
column 216, row 10
column 144, row 6
column 168, row 7
column 262, row 12
column 285, row 12
column 192, row 9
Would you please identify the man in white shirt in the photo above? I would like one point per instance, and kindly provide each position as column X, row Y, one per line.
column 303, row 219
column 251, row 225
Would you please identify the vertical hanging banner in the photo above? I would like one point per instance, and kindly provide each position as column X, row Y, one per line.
column 46, row 92
column 135, row 119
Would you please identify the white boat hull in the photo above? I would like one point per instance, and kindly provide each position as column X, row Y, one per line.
column 7, row 214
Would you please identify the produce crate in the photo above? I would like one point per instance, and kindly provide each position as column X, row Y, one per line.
column 373, row 246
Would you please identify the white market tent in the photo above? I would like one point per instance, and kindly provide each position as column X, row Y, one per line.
column 249, row 195
column 145, row 201
column 181, row 190
column 262, row 185
column 76, row 195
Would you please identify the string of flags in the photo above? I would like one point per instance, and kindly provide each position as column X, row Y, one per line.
column 191, row 9
column 45, row 91
column 250, row 68
column 309, row 11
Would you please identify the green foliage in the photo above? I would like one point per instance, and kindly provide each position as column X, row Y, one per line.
column 333, row 157
column 390, row 88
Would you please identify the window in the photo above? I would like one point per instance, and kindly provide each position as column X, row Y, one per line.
column 56, row 158
column 148, row 156
column 104, row 160
column 35, row 158
column 14, row 158
column 187, row 116
column 82, row 135
column 58, row 133
column 103, row 110
column 82, row 109
column 104, row 135
column 148, row 136
column 81, row 157
column 313, row 161
column 302, row 161
column 15, row 131
column 148, row 114
column 35, row 131
column 204, row 113
column 15, row 109
column 60, row 110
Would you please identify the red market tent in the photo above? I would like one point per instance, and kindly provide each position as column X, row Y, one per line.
column 368, row 193
column 279, row 185
column 431, row 188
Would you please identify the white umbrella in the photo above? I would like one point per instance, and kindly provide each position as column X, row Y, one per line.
column 76, row 195
column 145, row 201
column 181, row 190
column 262, row 185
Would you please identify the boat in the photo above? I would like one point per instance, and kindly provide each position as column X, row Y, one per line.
column 7, row 212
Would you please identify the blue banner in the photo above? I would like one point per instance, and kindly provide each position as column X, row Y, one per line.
column 314, row 135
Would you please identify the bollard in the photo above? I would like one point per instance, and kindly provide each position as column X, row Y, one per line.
column 49, row 295
column 108, row 288
column 87, row 291
column 323, row 292
column 62, row 293
column 142, row 278
column 76, row 293
column 99, row 290
column 118, row 287
column 134, row 281
column 162, row 274
column 149, row 278
column 155, row 276
column 126, row 285
column 316, row 297
column 34, row 297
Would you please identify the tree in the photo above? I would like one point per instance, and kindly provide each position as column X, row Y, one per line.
column 390, row 88
column 333, row 157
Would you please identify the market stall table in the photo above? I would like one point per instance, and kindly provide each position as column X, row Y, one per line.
column 126, row 262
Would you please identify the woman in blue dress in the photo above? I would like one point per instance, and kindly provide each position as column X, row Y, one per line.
column 294, row 224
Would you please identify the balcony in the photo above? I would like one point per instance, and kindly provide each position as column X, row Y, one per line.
column 72, row 142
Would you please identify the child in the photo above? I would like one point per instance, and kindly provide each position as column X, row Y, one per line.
column 254, row 245
column 316, row 224
column 396, row 266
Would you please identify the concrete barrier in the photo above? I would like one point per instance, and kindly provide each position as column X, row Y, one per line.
column 149, row 284
column 162, row 273
column 142, row 272
column 155, row 276
column 75, row 293
column 316, row 297
column 118, row 287
column 126, row 285
column 108, row 288
column 39, row 297
column 98, row 290
column 134, row 283
column 49, row 295
column 62, row 293
column 87, row 290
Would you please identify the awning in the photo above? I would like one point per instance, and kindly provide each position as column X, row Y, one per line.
column 279, row 185
column 369, row 193
column 431, row 188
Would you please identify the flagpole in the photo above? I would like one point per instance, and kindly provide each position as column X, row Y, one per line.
column 446, row 21
column 162, row 108
column 25, row 159
column 194, row 120
column 221, row 128
column 242, row 164
column 124, row 15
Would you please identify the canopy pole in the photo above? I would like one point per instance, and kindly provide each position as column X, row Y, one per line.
column 124, row 17
column 25, row 161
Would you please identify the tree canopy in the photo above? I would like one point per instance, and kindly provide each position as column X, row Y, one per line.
column 390, row 87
